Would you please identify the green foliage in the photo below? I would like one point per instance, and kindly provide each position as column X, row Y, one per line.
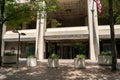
column 108, row 53
column 31, row 56
column 9, row 54
column 55, row 21
column 118, row 19
column 104, row 16
column 18, row 13
column 54, row 56
column 80, row 56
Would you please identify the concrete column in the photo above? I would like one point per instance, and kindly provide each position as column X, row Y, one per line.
column 3, row 42
column 96, row 30
column 37, row 34
column 93, row 30
column 41, row 28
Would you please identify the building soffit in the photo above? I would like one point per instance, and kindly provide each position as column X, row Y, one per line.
column 70, row 9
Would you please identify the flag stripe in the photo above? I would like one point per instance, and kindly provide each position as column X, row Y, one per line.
column 99, row 6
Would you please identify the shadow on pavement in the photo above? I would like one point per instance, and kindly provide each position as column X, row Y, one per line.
column 64, row 72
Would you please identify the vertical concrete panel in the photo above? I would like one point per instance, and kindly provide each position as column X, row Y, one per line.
column 37, row 34
column 41, row 40
column 93, row 30
column 3, row 42
column 96, row 30
column 41, row 28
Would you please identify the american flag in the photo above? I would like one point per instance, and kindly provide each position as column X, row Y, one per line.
column 99, row 6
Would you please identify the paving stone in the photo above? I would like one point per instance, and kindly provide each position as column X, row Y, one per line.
column 65, row 71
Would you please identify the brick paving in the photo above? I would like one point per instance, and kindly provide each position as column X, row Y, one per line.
column 65, row 71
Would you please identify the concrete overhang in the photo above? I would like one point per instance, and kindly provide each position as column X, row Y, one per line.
column 67, row 33
column 64, row 37
column 16, row 39
column 108, row 36
column 104, row 31
column 30, row 35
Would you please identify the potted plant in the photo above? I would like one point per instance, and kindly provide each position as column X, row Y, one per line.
column 105, row 58
column 79, row 61
column 53, row 60
column 31, row 60
column 9, row 57
column 55, row 23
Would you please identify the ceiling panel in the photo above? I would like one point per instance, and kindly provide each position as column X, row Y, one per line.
column 70, row 9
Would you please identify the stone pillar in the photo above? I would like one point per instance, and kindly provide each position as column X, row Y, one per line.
column 96, row 29
column 93, row 30
column 37, row 34
column 3, row 42
column 41, row 28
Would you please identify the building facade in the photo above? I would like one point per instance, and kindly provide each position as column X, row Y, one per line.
column 79, row 32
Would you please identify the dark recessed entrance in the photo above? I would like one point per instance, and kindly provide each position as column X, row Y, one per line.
column 67, row 49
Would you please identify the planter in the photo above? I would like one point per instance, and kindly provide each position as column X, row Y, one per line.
column 9, row 59
column 53, row 63
column 105, row 60
column 31, row 62
column 79, row 63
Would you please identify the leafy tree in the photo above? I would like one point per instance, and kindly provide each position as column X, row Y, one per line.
column 13, row 13
column 113, row 42
column 111, row 16
column 104, row 16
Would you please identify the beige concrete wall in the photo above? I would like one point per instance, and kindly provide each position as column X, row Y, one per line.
column 67, row 31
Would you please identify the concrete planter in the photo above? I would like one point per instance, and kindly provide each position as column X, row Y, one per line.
column 53, row 63
column 105, row 60
column 9, row 59
column 79, row 63
column 31, row 62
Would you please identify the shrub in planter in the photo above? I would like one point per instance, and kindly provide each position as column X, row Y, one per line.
column 31, row 60
column 9, row 57
column 79, row 61
column 53, row 60
column 9, row 54
column 105, row 58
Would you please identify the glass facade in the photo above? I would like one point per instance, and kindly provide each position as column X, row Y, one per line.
column 25, row 48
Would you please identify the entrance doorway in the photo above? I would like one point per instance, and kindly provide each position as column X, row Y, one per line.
column 67, row 49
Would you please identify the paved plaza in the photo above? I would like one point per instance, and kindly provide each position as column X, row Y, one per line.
column 65, row 71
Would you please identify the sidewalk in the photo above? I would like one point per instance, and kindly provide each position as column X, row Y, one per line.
column 66, row 71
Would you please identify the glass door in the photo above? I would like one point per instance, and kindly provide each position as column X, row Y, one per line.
column 67, row 49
